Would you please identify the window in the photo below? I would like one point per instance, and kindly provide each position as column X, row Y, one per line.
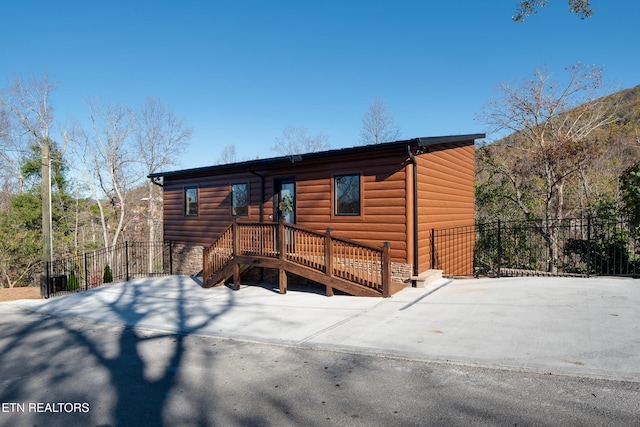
column 240, row 199
column 347, row 195
column 191, row 201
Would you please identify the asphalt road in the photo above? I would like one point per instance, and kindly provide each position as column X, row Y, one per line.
column 57, row 371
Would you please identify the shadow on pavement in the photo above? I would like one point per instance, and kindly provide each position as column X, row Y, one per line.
column 134, row 371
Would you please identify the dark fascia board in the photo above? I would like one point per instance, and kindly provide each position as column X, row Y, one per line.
column 283, row 160
column 434, row 140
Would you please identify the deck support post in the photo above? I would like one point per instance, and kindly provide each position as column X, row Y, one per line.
column 386, row 270
column 282, row 280
column 236, row 276
column 328, row 259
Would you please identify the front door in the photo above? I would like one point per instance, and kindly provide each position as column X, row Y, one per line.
column 286, row 200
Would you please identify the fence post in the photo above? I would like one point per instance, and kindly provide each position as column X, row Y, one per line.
column 386, row 270
column 126, row 259
column 589, row 246
column 170, row 257
column 499, row 248
column 86, row 272
column 433, row 251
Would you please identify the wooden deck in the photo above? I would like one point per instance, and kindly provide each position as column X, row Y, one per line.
column 338, row 263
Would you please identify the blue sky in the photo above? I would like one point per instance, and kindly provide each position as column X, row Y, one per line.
column 239, row 72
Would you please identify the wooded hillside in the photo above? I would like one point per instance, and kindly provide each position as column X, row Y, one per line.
column 587, row 174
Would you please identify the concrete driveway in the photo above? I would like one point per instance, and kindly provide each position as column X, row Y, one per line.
column 582, row 327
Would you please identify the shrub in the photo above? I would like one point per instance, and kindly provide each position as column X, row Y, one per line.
column 73, row 283
column 107, row 277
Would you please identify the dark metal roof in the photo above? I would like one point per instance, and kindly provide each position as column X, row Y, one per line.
column 362, row 149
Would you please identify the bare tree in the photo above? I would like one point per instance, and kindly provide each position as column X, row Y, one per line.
column 27, row 102
column 11, row 155
column 228, row 155
column 297, row 141
column 529, row 7
column 108, row 163
column 161, row 138
column 378, row 125
column 551, row 122
column 10, row 159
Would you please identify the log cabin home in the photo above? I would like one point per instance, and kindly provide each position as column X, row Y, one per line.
column 379, row 202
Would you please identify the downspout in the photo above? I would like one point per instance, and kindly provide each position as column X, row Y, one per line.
column 261, row 193
column 415, row 215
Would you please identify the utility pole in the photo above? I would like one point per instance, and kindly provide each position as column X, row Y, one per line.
column 47, row 236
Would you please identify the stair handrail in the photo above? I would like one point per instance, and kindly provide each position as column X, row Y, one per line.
column 218, row 254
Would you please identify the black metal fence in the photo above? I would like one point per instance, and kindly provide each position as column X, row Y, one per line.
column 117, row 263
column 571, row 247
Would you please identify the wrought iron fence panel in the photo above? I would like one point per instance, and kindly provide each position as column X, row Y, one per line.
column 104, row 266
column 575, row 247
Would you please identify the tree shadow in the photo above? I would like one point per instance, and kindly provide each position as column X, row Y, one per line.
column 127, row 375
column 136, row 375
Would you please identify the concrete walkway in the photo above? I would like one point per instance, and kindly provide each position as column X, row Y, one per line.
column 583, row 327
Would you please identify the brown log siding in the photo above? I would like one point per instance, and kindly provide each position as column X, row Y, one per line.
column 445, row 187
column 383, row 215
column 446, row 198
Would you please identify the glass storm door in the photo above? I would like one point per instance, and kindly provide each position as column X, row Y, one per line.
column 286, row 200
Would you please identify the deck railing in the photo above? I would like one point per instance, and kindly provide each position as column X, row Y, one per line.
column 333, row 256
column 358, row 263
column 256, row 239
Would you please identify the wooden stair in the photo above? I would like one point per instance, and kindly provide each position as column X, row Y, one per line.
column 343, row 264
